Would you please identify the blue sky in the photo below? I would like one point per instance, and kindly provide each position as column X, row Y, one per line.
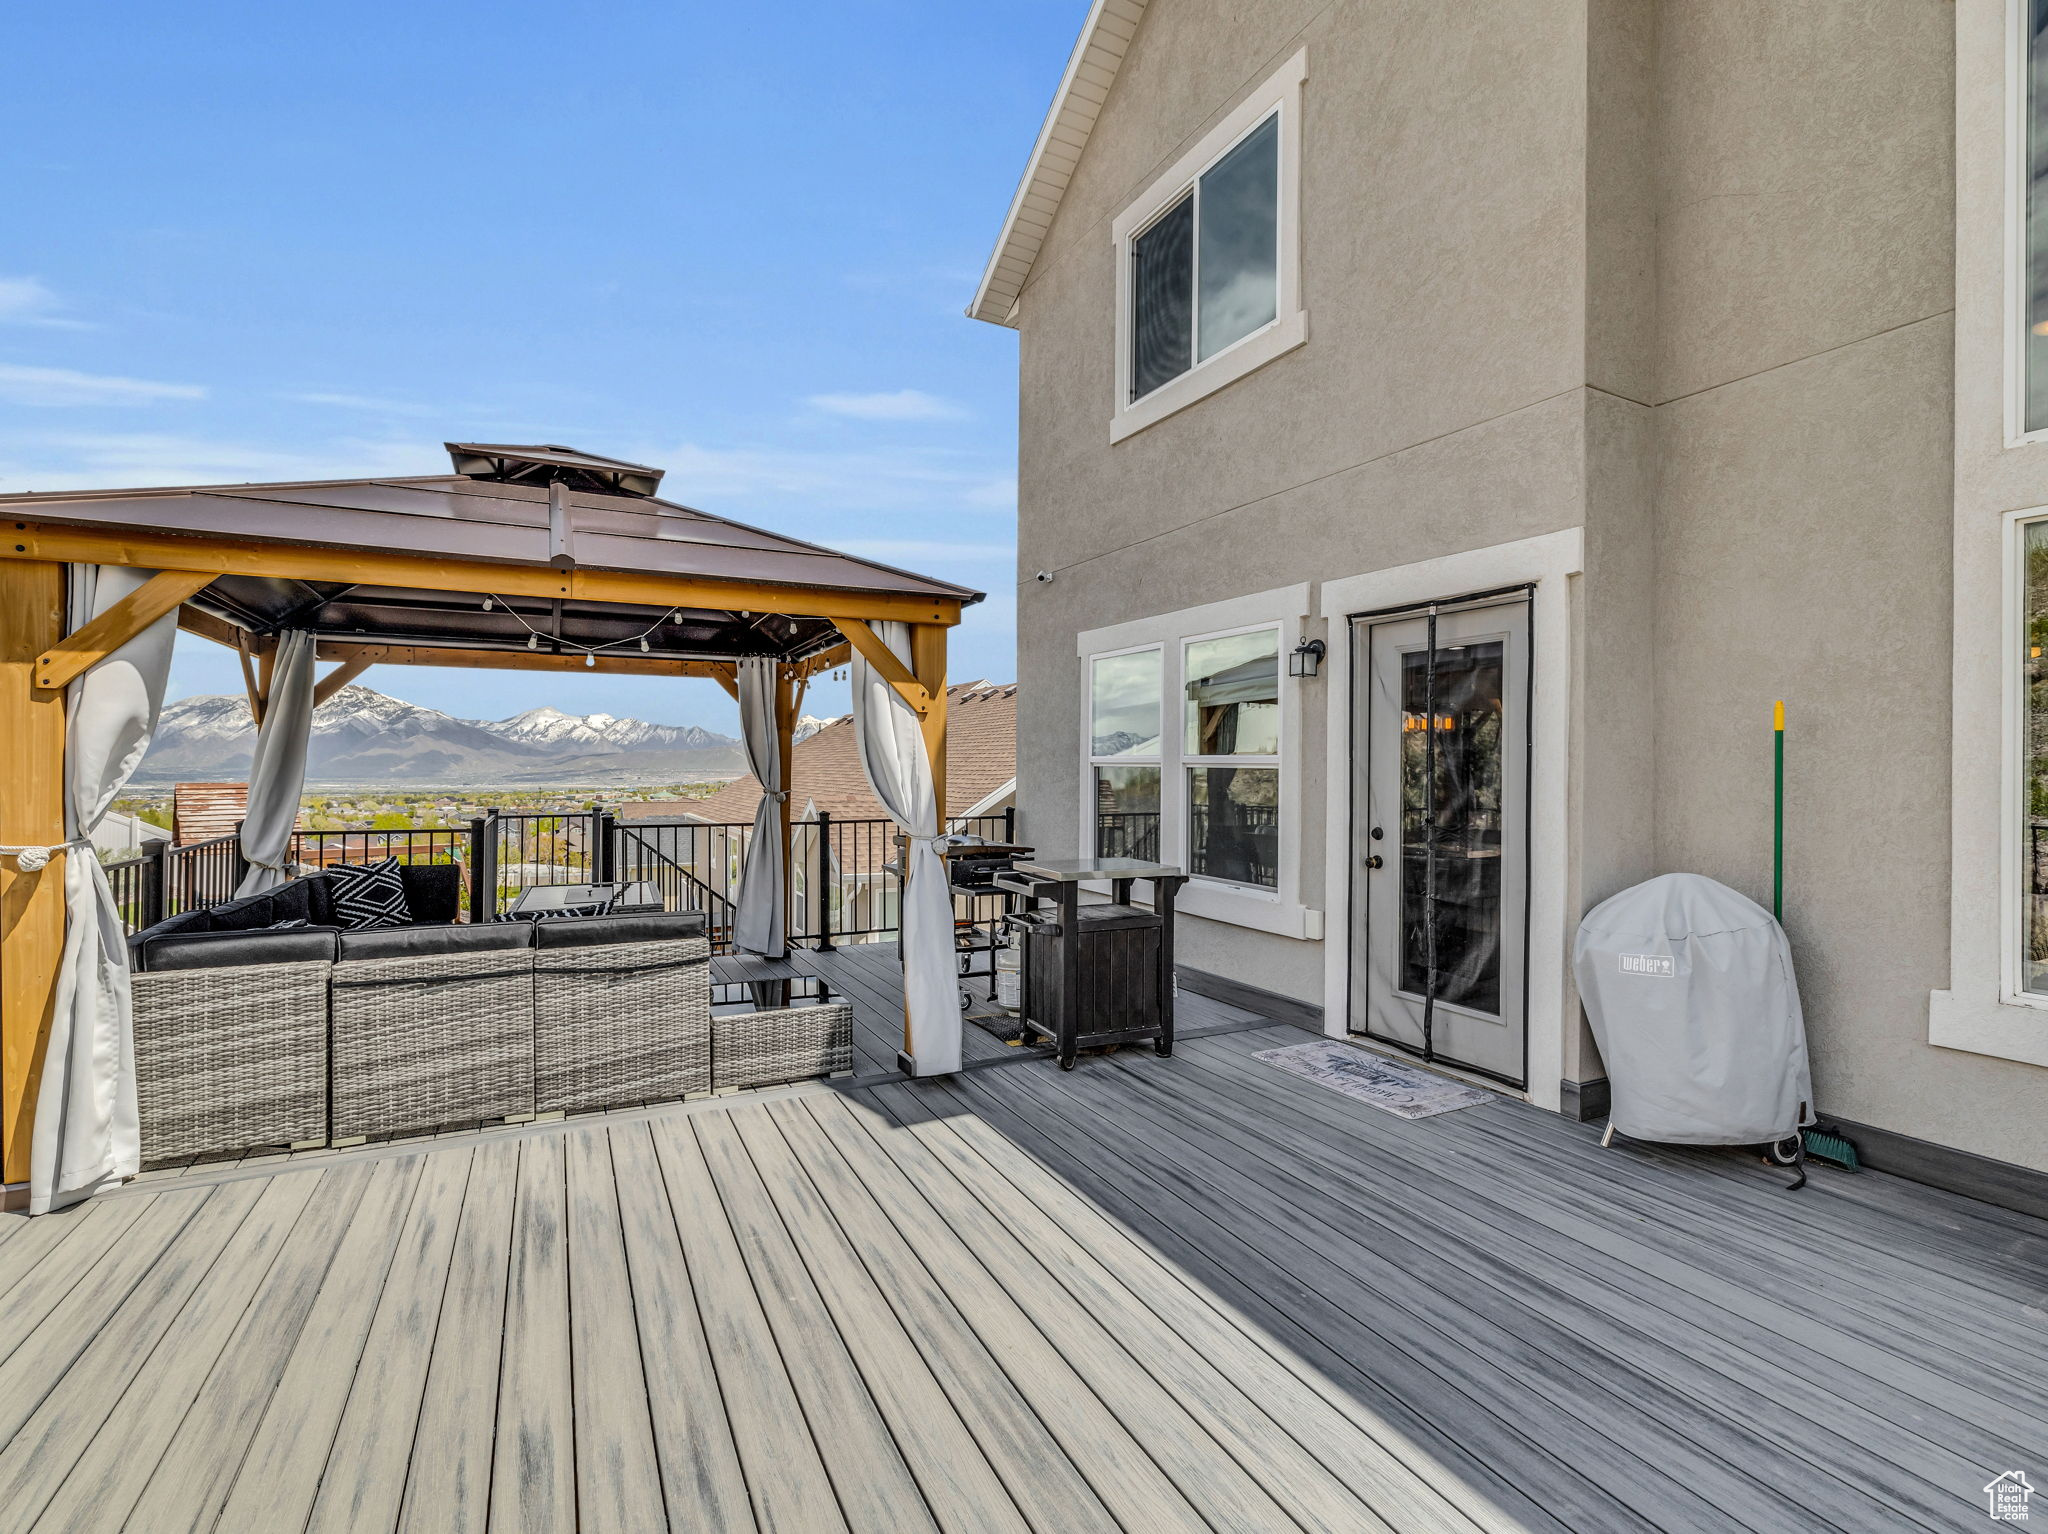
column 251, row 242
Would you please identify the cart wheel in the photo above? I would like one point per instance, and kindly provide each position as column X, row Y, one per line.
column 1784, row 1152
column 966, row 998
column 1162, row 1049
column 1067, row 1061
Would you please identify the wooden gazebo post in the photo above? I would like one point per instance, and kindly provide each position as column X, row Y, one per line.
column 31, row 815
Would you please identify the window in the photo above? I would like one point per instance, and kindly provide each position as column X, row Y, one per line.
column 1231, row 752
column 1206, row 274
column 1206, row 285
column 1123, row 731
column 2032, row 153
column 1190, row 743
column 2033, row 820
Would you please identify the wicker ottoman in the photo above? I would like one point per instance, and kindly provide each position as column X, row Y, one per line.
column 430, row 1040
column 620, row 1023
column 230, row 1059
column 758, row 1049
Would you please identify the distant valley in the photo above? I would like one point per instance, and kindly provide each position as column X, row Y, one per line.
column 363, row 737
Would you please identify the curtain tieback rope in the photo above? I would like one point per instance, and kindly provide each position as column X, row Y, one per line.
column 29, row 859
column 777, row 796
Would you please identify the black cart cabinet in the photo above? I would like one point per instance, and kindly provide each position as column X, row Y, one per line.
column 1095, row 973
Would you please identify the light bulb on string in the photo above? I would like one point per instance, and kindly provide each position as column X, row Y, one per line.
column 533, row 641
column 643, row 644
column 487, row 604
column 589, row 659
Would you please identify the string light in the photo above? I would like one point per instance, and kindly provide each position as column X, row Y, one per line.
column 589, row 651
column 487, row 604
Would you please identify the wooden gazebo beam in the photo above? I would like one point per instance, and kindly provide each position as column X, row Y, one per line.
column 378, row 567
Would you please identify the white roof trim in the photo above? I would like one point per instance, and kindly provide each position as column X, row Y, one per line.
column 1091, row 70
column 988, row 802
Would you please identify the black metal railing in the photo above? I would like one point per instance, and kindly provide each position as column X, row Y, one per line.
column 1131, row 835
column 844, row 873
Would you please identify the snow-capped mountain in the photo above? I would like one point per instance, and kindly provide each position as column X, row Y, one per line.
column 550, row 726
column 809, row 725
column 361, row 735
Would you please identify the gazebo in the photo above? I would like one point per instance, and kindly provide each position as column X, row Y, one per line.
column 526, row 558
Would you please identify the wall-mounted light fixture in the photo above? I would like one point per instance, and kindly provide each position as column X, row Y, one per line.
column 1307, row 658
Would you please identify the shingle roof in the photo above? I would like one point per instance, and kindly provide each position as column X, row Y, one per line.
column 981, row 757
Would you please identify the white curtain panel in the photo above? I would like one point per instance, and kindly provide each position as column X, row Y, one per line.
column 277, row 773
column 891, row 745
column 758, row 924
column 86, row 1123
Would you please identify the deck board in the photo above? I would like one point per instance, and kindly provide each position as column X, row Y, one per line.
column 1194, row 1293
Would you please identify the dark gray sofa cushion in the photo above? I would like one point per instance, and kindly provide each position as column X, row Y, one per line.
column 245, row 914
column 590, row 931
column 433, row 890
column 420, row 942
column 158, row 952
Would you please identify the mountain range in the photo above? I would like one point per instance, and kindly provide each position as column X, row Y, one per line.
column 361, row 736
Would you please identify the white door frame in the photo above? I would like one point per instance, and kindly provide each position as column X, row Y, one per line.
column 1548, row 563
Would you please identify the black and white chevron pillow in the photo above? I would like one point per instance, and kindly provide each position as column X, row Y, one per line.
column 369, row 895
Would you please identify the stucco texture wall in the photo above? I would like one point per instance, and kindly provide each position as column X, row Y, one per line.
column 1435, row 408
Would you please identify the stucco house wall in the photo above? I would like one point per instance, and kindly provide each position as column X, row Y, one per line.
column 1698, row 280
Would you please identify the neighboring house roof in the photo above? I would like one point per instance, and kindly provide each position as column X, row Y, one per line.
column 1091, row 70
column 201, row 811
column 825, row 770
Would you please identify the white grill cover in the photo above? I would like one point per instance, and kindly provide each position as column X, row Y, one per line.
column 1690, row 992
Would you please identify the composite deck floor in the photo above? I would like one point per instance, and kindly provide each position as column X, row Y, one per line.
column 1145, row 1295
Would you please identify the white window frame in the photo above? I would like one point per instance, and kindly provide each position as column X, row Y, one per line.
column 1187, row 761
column 1090, row 801
column 1280, row 909
column 2012, row 908
column 1281, row 94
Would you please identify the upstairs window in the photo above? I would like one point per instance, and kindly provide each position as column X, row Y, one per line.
column 2032, row 153
column 1205, row 274
column 1207, row 283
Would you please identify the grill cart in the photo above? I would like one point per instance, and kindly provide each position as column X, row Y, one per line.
column 1095, row 974
column 971, row 868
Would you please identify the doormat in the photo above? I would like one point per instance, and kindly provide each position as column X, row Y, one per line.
column 1403, row 1090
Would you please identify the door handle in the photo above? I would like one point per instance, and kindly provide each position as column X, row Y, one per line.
column 1375, row 861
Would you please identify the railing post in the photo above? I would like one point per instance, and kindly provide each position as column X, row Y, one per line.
column 478, row 890
column 155, row 871
column 1010, row 824
column 605, row 855
column 822, row 879
column 484, row 906
column 241, row 864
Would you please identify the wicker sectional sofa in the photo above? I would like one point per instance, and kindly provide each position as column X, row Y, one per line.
column 261, row 1037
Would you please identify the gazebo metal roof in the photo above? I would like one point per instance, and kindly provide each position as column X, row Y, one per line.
column 523, row 508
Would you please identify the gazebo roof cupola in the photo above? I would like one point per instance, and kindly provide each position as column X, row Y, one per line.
column 550, row 463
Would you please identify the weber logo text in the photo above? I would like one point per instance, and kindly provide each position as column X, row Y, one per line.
column 1649, row 964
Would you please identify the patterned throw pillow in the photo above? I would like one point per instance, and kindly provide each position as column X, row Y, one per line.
column 287, row 924
column 368, row 895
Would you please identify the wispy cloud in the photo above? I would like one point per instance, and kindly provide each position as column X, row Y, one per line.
column 368, row 403
column 902, row 405
column 29, row 301
column 21, row 385
column 114, row 460
column 902, row 550
column 875, row 480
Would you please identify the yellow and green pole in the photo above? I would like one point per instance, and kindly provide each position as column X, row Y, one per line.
column 1778, row 812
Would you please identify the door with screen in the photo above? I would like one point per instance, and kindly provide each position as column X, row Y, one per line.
column 1440, row 835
